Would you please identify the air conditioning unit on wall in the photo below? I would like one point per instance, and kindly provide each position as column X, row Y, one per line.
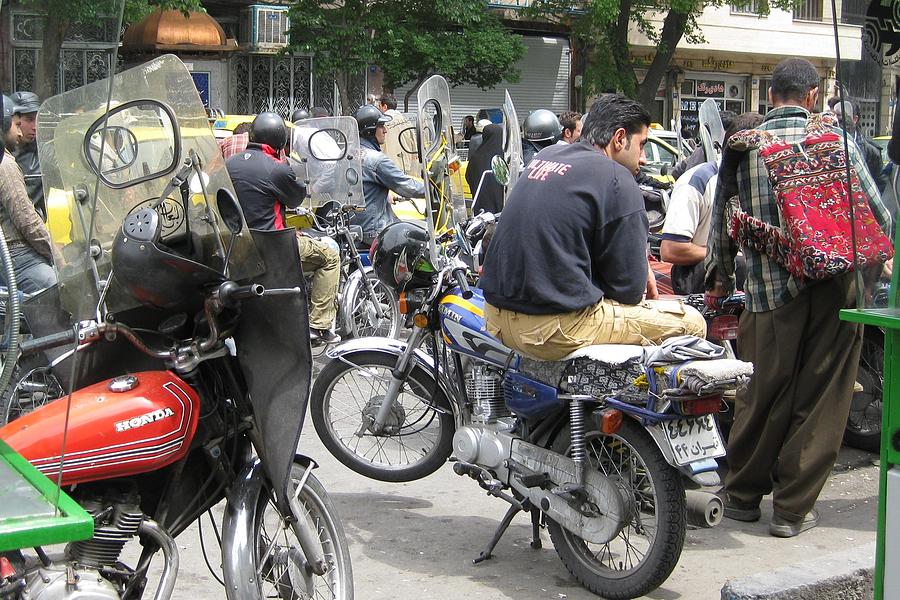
column 264, row 27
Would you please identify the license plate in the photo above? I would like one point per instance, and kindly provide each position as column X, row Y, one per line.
column 693, row 439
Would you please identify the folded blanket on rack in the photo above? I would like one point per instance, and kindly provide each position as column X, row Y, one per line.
column 703, row 377
column 679, row 349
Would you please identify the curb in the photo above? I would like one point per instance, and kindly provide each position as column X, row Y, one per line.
column 845, row 575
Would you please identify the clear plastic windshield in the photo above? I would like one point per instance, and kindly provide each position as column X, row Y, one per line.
column 325, row 154
column 400, row 142
column 512, row 141
column 99, row 166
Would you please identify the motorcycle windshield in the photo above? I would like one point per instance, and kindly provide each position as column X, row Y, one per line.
column 446, row 205
column 102, row 161
column 400, row 142
column 325, row 153
column 512, row 141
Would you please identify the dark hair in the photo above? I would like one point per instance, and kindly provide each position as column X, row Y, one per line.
column 747, row 120
column 318, row 111
column 833, row 101
column 727, row 117
column 388, row 100
column 609, row 113
column 241, row 128
column 569, row 120
column 792, row 79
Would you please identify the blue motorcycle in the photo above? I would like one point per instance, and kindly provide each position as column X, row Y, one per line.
column 598, row 447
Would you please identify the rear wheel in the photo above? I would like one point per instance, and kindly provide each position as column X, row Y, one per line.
column 863, row 429
column 644, row 553
column 281, row 568
column 364, row 320
column 418, row 435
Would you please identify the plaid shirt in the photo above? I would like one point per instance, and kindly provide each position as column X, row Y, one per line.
column 769, row 285
column 234, row 144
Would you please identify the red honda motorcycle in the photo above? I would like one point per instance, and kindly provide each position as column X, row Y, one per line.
column 192, row 354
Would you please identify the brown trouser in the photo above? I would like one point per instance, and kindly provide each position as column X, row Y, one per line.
column 789, row 422
column 551, row 337
column 324, row 263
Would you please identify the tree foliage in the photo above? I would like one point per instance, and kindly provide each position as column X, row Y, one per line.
column 600, row 35
column 59, row 15
column 409, row 39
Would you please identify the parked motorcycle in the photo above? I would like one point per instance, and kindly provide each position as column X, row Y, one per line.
column 597, row 446
column 191, row 346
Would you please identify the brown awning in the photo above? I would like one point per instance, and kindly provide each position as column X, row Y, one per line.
column 170, row 30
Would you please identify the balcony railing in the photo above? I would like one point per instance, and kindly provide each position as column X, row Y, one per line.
column 745, row 7
column 808, row 10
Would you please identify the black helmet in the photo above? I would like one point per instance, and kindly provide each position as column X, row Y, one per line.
column 153, row 273
column 368, row 118
column 400, row 257
column 268, row 128
column 8, row 107
column 299, row 114
column 541, row 126
column 25, row 103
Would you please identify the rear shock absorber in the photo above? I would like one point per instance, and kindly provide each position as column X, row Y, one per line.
column 576, row 429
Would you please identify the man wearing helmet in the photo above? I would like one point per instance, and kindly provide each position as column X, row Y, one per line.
column 265, row 185
column 25, row 108
column 26, row 236
column 577, row 278
column 541, row 129
column 380, row 175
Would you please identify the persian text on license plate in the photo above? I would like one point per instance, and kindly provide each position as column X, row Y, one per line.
column 693, row 439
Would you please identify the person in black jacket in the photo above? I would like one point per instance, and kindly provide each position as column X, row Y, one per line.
column 567, row 266
column 870, row 152
column 490, row 196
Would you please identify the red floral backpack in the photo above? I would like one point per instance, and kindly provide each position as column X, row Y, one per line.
column 809, row 179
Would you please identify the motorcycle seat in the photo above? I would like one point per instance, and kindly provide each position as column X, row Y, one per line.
column 598, row 370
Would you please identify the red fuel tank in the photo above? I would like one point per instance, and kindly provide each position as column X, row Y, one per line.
column 122, row 426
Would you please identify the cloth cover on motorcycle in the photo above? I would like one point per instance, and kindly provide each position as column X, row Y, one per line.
column 272, row 341
column 814, row 239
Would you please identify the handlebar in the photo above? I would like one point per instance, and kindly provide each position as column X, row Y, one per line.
column 460, row 276
column 230, row 292
column 46, row 342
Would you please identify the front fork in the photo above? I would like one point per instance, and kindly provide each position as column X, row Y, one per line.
column 398, row 377
column 370, row 288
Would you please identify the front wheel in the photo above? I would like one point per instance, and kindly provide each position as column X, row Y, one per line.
column 418, row 435
column 863, row 429
column 644, row 553
column 278, row 559
column 360, row 308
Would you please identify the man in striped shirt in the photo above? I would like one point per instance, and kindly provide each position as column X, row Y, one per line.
column 789, row 423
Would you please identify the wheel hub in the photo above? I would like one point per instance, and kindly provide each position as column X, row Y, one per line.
column 395, row 419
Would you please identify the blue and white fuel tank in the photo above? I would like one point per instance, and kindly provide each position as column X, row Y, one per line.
column 463, row 328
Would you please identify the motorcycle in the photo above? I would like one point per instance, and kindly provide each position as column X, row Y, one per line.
column 320, row 148
column 191, row 347
column 598, row 447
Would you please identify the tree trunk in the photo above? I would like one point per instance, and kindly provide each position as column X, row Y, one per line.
column 673, row 29
column 342, row 79
column 620, row 48
column 56, row 25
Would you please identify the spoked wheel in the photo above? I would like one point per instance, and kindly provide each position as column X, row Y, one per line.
column 364, row 320
column 644, row 553
column 418, row 436
column 863, row 429
column 30, row 391
column 281, row 568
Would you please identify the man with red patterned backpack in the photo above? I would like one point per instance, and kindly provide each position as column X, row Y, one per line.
column 789, row 422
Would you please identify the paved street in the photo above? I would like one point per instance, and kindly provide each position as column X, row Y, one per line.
column 416, row 540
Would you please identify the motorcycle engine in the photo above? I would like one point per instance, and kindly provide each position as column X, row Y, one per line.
column 66, row 582
column 484, row 387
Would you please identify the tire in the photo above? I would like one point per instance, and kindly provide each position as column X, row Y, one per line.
column 656, row 529
column 363, row 321
column 349, row 386
column 863, row 429
column 30, row 389
column 276, row 577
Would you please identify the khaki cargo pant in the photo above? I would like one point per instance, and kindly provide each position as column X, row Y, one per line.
column 551, row 337
column 324, row 263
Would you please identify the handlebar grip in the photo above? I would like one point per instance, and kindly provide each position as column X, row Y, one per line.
column 460, row 276
column 230, row 292
column 48, row 341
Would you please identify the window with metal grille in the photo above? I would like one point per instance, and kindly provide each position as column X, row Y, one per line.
column 808, row 10
column 745, row 7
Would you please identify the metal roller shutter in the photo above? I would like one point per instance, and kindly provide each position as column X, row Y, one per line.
column 543, row 83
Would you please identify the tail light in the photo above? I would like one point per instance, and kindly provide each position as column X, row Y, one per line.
column 724, row 327
column 696, row 407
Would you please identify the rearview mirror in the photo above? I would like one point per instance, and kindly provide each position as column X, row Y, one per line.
column 230, row 210
column 500, row 170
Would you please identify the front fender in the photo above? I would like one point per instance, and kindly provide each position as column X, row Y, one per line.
column 385, row 345
column 238, row 564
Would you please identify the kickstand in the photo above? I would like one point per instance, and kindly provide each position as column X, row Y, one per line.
column 504, row 525
column 535, row 528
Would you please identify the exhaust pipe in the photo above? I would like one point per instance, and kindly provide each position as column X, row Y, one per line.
column 703, row 509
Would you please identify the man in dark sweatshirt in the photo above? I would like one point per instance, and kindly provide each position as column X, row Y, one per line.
column 567, row 266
